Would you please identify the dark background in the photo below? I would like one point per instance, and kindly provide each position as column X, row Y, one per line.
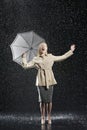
column 61, row 23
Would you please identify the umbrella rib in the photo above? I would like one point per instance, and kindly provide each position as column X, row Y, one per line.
column 38, row 43
column 32, row 38
column 20, row 46
column 17, row 57
column 25, row 40
column 29, row 55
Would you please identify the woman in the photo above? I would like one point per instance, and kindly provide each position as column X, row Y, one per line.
column 45, row 79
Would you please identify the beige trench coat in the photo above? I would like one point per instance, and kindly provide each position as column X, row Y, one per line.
column 45, row 76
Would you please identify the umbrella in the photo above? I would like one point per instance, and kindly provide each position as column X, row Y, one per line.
column 26, row 42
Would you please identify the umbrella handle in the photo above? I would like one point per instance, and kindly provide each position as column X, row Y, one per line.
column 23, row 55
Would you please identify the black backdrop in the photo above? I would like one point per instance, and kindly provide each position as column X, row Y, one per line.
column 61, row 23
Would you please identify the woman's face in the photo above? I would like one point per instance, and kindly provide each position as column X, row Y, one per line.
column 43, row 48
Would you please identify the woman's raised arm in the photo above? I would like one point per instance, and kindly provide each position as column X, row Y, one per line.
column 66, row 55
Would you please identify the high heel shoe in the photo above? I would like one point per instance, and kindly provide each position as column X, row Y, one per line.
column 49, row 122
column 42, row 121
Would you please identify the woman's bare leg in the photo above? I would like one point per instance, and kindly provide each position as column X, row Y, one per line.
column 42, row 110
column 49, row 112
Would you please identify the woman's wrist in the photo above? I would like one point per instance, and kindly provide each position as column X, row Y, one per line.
column 72, row 50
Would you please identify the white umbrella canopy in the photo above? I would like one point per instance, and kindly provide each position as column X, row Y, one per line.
column 26, row 42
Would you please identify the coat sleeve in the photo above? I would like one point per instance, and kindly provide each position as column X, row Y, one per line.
column 26, row 64
column 62, row 57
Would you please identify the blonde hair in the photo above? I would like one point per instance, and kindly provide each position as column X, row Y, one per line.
column 39, row 47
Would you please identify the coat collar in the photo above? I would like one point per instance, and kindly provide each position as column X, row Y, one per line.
column 43, row 55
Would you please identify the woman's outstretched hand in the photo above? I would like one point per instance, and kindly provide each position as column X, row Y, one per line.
column 72, row 47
